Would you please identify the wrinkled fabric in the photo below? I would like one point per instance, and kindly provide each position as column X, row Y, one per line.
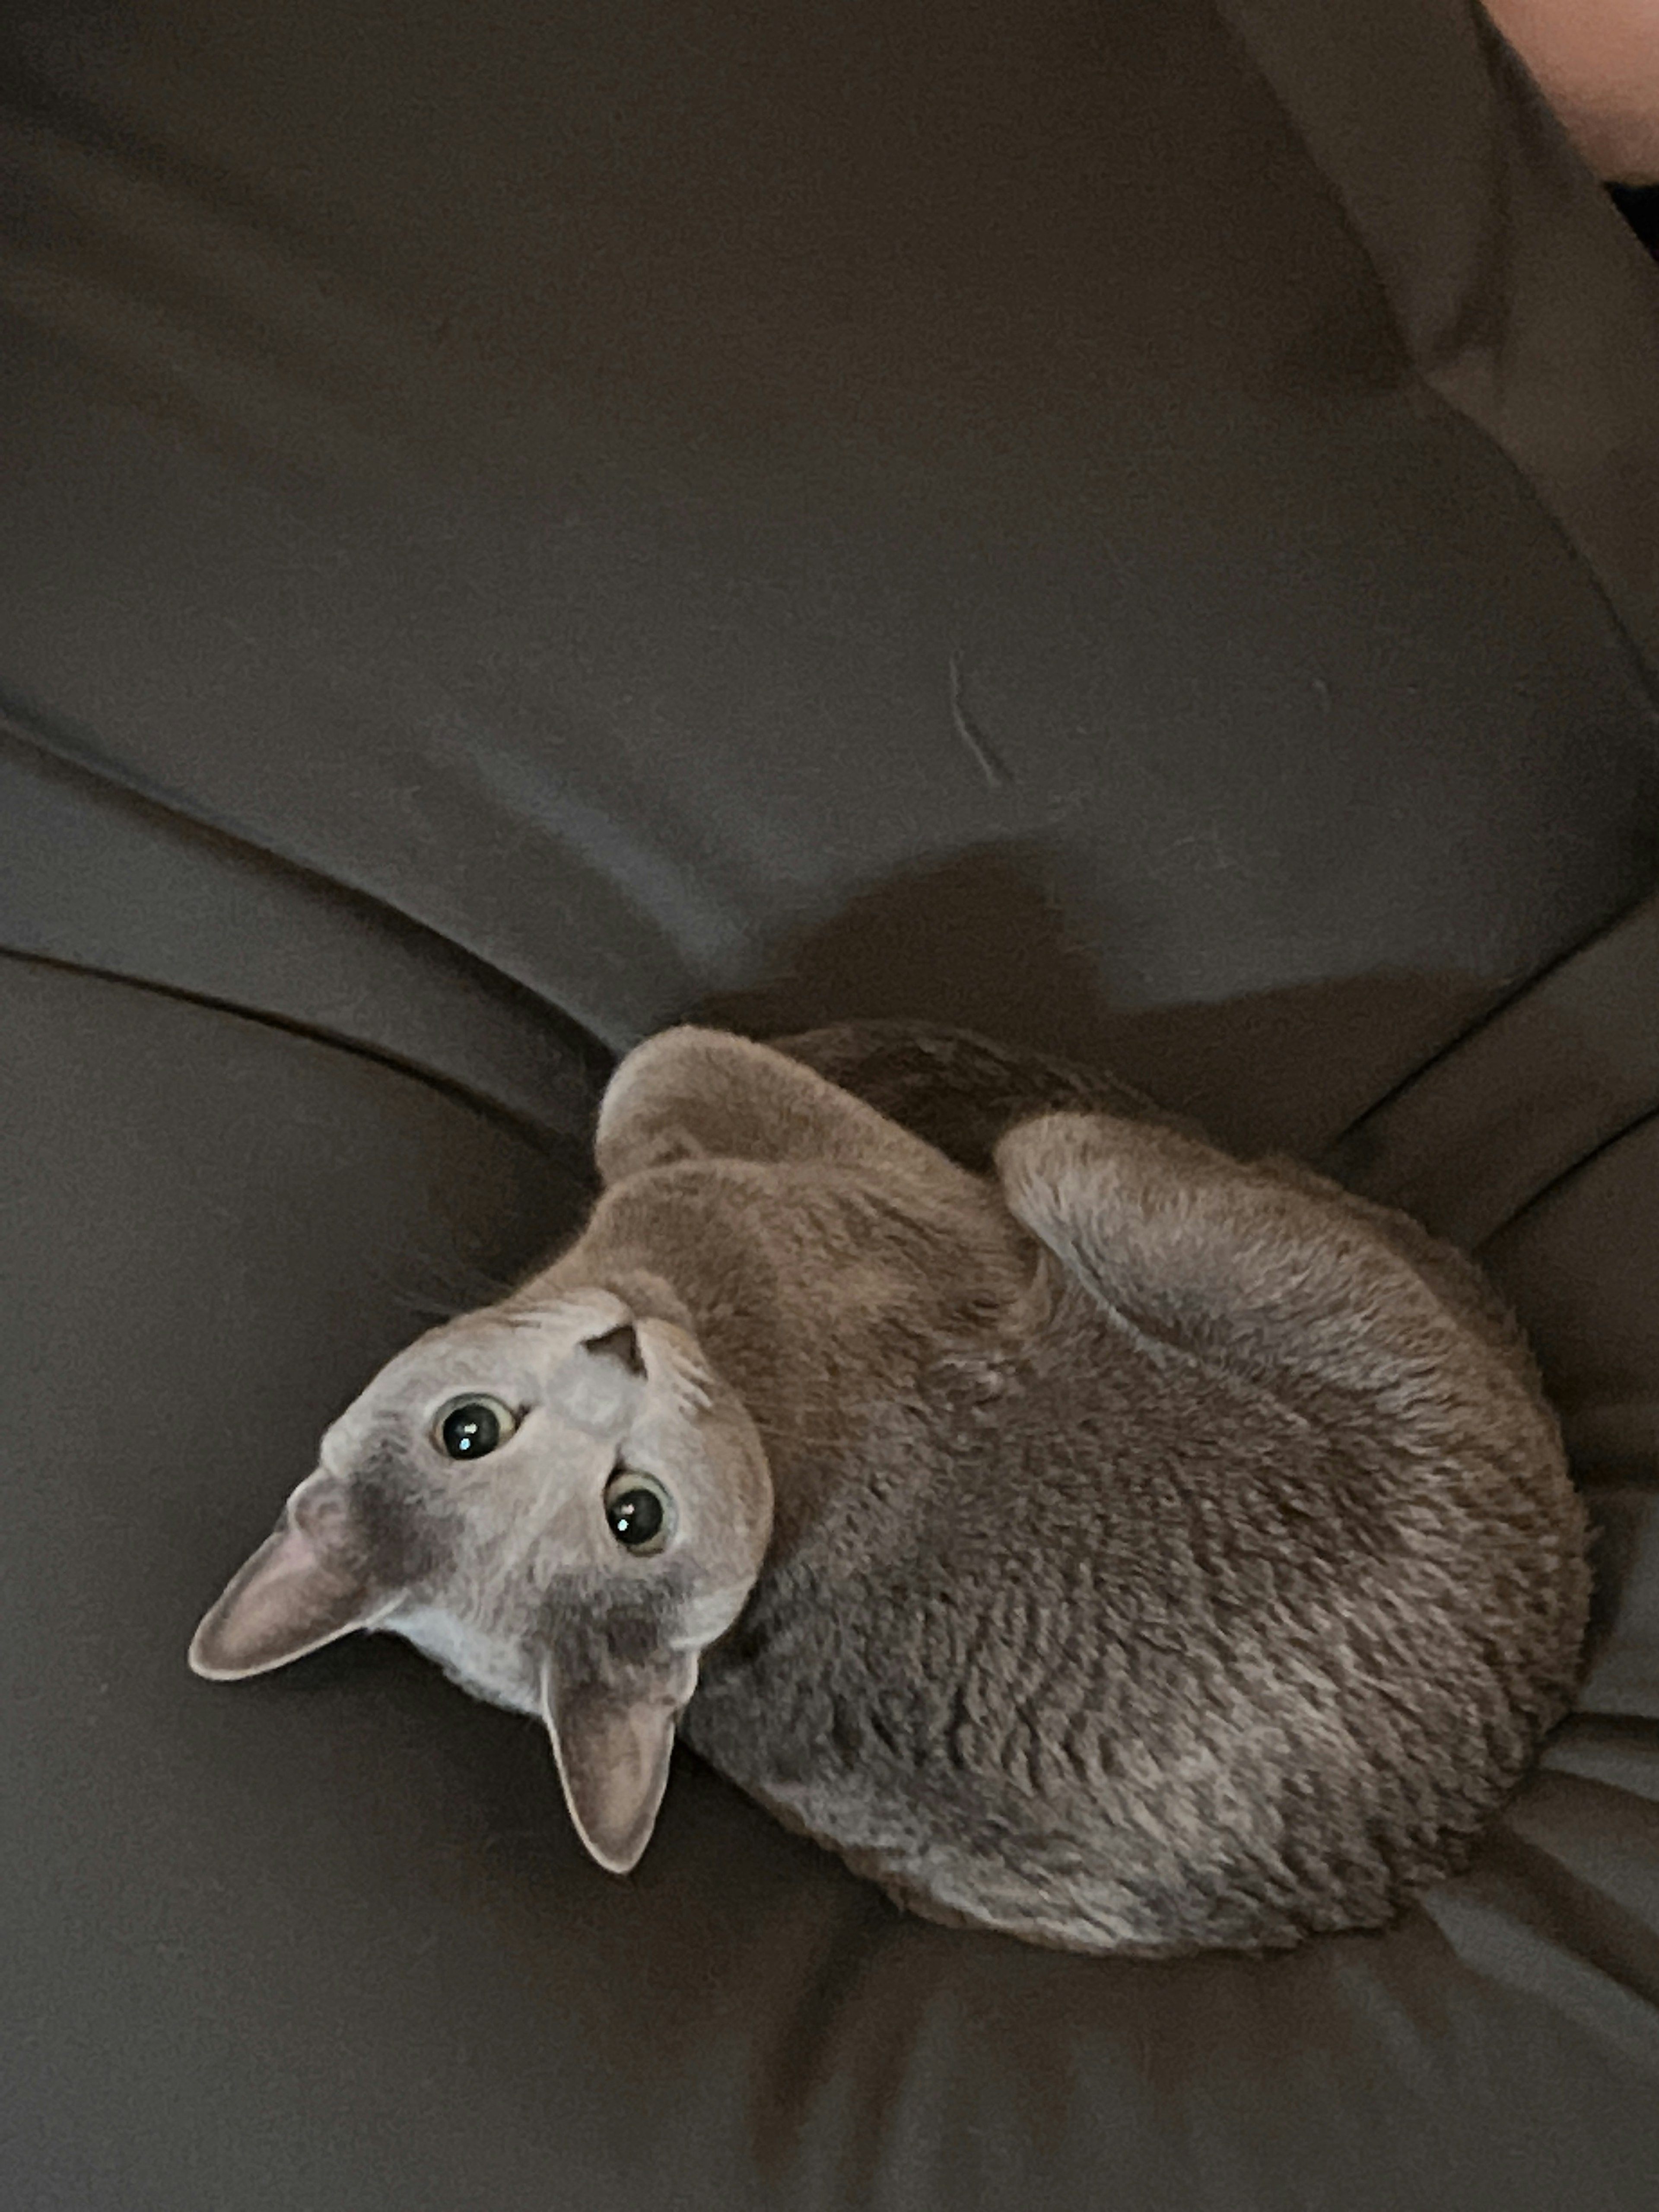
column 1129, row 528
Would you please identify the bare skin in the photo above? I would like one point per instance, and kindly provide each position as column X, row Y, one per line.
column 1597, row 63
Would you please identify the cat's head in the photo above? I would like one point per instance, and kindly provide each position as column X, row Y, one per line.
column 561, row 1504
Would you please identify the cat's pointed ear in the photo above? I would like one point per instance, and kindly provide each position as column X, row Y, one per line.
column 600, row 1385
column 612, row 1743
column 303, row 1587
column 620, row 1344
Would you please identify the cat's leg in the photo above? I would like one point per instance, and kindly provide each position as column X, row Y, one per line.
column 1208, row 1256
column 691, row 1093
column 1457, row 1278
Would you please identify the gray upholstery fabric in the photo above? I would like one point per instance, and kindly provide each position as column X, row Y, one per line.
column 1129, row 527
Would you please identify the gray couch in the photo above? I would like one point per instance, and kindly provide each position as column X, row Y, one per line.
column 1134, row 528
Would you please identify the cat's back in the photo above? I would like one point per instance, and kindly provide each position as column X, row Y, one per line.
column 1169, row 1552
column 1159, row 1636
column 1119, row 1505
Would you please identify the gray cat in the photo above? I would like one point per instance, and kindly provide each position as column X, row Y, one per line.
column 1087, row 1535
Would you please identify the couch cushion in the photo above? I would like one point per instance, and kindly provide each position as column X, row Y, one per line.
column 1114, row 495
column 1122, row 527
column 328, row 1939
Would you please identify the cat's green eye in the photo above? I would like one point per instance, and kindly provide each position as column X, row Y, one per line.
column 469, row 1427
column 640, row 1511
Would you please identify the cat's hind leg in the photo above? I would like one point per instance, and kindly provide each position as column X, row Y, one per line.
column 1278, row 1281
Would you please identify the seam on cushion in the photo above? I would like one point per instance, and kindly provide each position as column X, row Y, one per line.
column 1556, row 1182
column 571, row 1151
column 1513, row 1942
column 81, row 755
column 1489, row 1016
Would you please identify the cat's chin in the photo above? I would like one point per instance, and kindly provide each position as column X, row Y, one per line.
column 473, row 1662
